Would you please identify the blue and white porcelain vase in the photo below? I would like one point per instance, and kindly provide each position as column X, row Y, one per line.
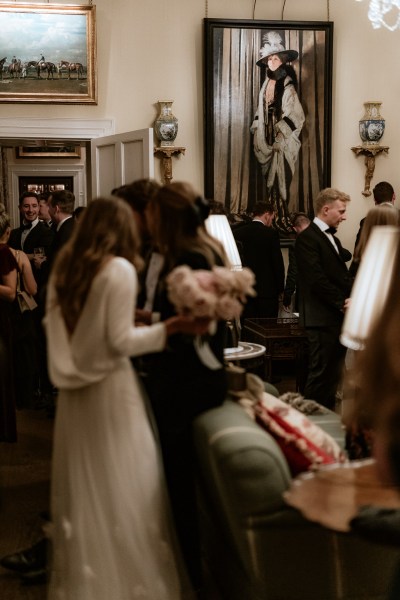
column 372, row 125
column 166, row 125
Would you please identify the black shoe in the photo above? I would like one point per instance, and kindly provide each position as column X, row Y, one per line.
column 31, row 559
column 34, row 577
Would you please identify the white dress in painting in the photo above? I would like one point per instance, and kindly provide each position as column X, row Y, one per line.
column 112, row 537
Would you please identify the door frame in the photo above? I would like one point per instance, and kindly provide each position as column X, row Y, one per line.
column 12, row 130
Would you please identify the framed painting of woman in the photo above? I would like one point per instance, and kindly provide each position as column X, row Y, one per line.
column 267, row 114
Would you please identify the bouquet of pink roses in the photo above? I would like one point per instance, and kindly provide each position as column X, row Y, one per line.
column 217, row 294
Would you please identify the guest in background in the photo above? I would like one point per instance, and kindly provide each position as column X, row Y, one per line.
column 25, row 339
column 300, row 221
column 324, row 285
column 138, row 194
column 24, row 335
column 383, row 194
column 61, row 207
column 32, row 233
column 382, row 214
column 260, row 250
column 8, row 292
column 44, row 214
column 78, row 212
column 179, row 384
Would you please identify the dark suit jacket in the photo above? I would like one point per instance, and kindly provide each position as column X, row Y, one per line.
column 359, row 233
column 261, row 252
column 62, row 235
column 60, row 238
column 40, row 236
column 323, row 279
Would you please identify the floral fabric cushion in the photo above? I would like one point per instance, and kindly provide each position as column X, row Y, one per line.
column 304, row 444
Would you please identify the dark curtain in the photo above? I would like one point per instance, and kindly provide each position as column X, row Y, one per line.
column 238, row 182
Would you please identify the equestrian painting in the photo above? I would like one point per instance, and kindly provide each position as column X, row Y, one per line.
column 63, row 68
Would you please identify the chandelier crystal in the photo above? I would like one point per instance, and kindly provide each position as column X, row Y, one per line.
column 380, row 10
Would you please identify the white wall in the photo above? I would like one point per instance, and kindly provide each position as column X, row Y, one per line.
column 152, row 50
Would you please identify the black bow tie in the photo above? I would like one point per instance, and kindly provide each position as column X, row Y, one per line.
column 26, row 225
column 331, row 230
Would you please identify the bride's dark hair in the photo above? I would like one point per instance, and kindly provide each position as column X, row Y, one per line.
column 106, row 229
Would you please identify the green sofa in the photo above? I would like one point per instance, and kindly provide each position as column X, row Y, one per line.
column 258, row 548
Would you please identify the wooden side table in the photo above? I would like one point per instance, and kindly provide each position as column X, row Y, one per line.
column 283, row 339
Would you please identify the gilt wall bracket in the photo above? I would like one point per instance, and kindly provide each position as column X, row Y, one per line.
column 369, row 152
column 166, row 153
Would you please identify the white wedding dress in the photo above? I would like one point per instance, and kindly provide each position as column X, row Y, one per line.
column 112, row 537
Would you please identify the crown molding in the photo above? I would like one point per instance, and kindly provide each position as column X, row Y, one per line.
column 66, row 129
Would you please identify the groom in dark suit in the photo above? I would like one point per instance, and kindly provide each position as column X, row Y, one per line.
column 324, row 288
column 260, row 251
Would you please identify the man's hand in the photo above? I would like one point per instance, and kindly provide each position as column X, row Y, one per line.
column 38, row 260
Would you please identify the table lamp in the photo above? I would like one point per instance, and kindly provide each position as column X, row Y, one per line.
column 371, row 286
column 218, row 227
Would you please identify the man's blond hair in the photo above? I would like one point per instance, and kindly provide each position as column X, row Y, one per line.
column 328, row 196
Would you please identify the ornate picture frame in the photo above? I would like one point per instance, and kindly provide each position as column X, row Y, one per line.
column 48, row 152
column 237, row 173
column 48, row 54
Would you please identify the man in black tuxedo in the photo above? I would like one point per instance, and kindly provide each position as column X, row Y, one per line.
column 61, row 207
column 32, row 233
column 383, row 194
column 324, row 287
column 260, row 250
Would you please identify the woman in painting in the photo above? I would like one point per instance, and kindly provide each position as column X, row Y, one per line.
column 277, row 124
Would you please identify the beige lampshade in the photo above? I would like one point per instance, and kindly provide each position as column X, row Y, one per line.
column 218, row 226
column 371, row 286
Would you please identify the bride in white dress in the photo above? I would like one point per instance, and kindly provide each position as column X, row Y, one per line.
column 112, row 537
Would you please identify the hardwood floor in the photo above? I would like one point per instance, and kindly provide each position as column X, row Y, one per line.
column 24, row 494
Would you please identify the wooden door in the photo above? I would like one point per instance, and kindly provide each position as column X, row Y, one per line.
column 119, row 159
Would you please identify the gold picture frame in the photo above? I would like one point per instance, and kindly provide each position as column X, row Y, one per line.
column 48, row 152
column 64, row 70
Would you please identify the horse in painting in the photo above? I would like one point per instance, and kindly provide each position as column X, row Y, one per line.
column 15, row 68
column 39, row 67
column 71, row 67
column 2, row 61
column 46, row 66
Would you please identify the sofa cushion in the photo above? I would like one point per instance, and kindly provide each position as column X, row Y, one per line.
column 300, row 452
column 306, row 426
